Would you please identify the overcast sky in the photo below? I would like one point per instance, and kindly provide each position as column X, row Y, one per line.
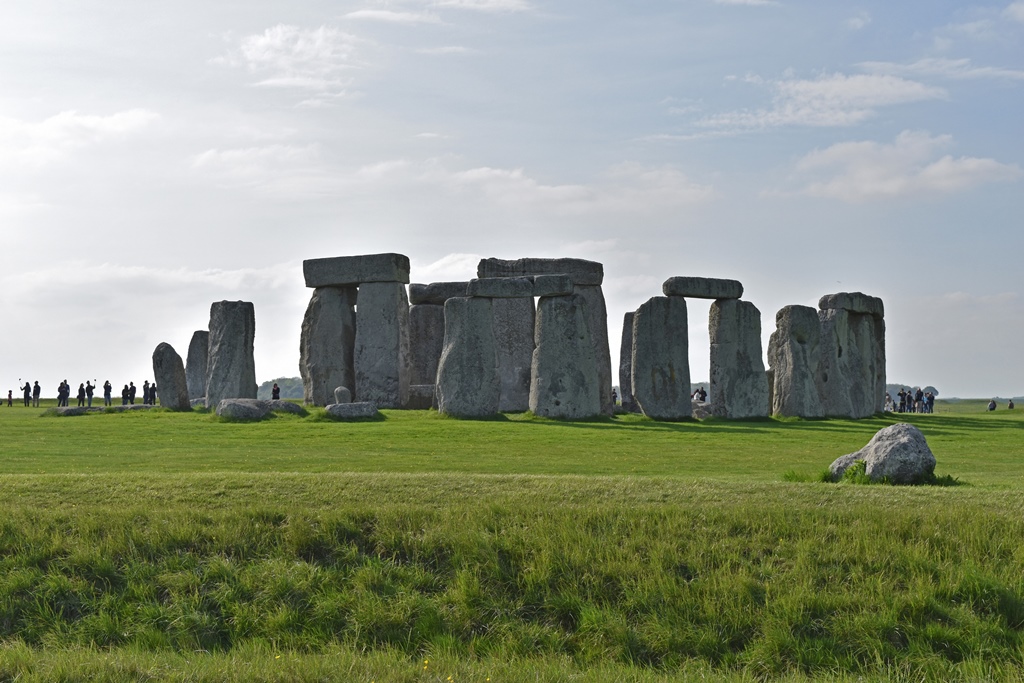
column 156, row 157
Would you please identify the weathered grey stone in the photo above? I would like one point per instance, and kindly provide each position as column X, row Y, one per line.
column 702, row 288
column 129, row 407
column 342, row 271
column 421, row 397
column 769, row 376
column 198, row 402
column 898, row 453
column 513, row 322
column 661, row 364
column 231, row 369
column 352, row 411
column 794, row 353
column 467, row 376
column 169, row 374
column 426, row 341
column 851, row 364
column 327, row 343
column 552, row 285
column 72, row 411
column 564, row 376
column 243, row 408
column 436, row 292
column 597, row 321
column 342, row 395
column 855, row 302
column 582, row 272
column 738, row 386
column 700, row 410
column 279, row 406
column 626, row 365
column 195, row 364
column 382, row 345
column 500, row 287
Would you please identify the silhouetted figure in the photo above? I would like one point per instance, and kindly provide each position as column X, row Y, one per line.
column 10, row 398
column 36, row 390
column 145, row 393
column 124, row 395
column 107, row 389
column 89, row 389
column 81, row 395
column 152, row 394
column 275, row 393
column 27, row 389
column 992, row 404
column 1009, row 404
column 132, row 390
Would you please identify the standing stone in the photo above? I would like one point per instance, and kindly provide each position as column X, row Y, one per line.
column 467, row 375
column 563, row 375
column 326, row 343
column 738, row 386
column 794, row 353
column 195, row 365
column 169, row 374
column 231, row 370
column 626, row 364
column 851, row 379
column 597, row 321
column 382, row 344
column 426, row 342
column 661, row 363
column 513, row 323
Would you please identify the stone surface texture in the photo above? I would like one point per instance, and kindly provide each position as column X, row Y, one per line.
column 436, row 292
column 467, row 375
column 381, row 357
column 626, row 364
column 661, row 364
column 851, row 375
column 552, row 285
column 327, row 343
column 581, row 271
column 280, row 406
column 426, row 340
column 231, row 369
column 352, row 411
column 512, row 322
column 342, row 395
column 169, row 374
column 738, row 386
column 243, row 408
column 564, row 381
column 343, row 271
column 421, row 397
column 500, row 287
column 597, row 321
column 898, row 453
column 195, row 364
column 855, row 302
column 794, row 353
column 702, row 288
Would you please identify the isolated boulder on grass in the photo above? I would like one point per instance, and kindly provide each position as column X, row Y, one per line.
column 898, row 453
column 243, row 408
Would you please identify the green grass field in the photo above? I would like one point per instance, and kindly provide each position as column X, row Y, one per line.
column 163, row 546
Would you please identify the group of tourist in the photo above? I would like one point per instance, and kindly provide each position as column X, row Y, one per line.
column 910, row 401
column 86, row 389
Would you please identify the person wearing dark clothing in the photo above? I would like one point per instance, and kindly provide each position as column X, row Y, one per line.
column 1009, row 404
column 81, row 395
column 992, row 404
column 107, row 388
column 10, row 398
column 124, row 395
column 152, row 394
column 275, row 393
column 145, row 393
column 131, row 392
column 27, row 389
column 89, row 389
column 36, row 390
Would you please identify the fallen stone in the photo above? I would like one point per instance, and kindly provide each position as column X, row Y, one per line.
column 738, row 386
column 512, row 322
column 794, row 352
column 898, row 453
column 467, row 375
column 129, row 407
column 327, row 343
column 231, row 369
column 279, row 406
column 552, row 285
column 72, row 411
column 382, row 345
column 344, row 271
column 700, row 410
column 564, row 376
column 342, row 395
column 243, row 409
column 702, row 288
column 855, row 302
column 436, row 292
column 195, row 364
column 352, row 411
column 661, row 364
column 500, row 287
column 581, row 271
column 169, row 373
column 421, row 397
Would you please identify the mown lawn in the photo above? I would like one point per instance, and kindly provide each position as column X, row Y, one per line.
column 159, row 546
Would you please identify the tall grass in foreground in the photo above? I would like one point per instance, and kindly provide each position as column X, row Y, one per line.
column 802, row 580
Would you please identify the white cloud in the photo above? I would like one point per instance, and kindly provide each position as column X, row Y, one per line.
column 35, row 144
column 486, row 5
column 394, row 17
column 858, row 22
column 1015, row 11
column 286, row 56
column 449, row 268
column 957, row 69
column 829, row 100
column 861, row 171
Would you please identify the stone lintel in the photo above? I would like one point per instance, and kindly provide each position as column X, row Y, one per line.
column 581, row 271
column 436, row 292
column 340, row 271
column 855, row 302
column 702, row 288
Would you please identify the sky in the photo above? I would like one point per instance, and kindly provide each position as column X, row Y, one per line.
column 157, row 157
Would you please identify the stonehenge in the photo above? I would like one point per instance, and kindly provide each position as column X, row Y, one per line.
column 169, row 373
column 231, row 369
column 327, row 342
column 738, row 386
column 794, row 353
column 564, row 375
column 626, row 364
column 660, row 361
column 195, row 364
column 467, row 374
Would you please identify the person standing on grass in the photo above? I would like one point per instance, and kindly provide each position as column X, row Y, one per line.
column 124, row 395
column 36, row 390
column 1009, row 404
column 27, row 391
column 10, row 398
column 81, row 395
column 89, row 389
column 992, row 404
column 145, row 393
column 107, row 388
column 131, row 392
column 152, row 394
column 275, row 393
